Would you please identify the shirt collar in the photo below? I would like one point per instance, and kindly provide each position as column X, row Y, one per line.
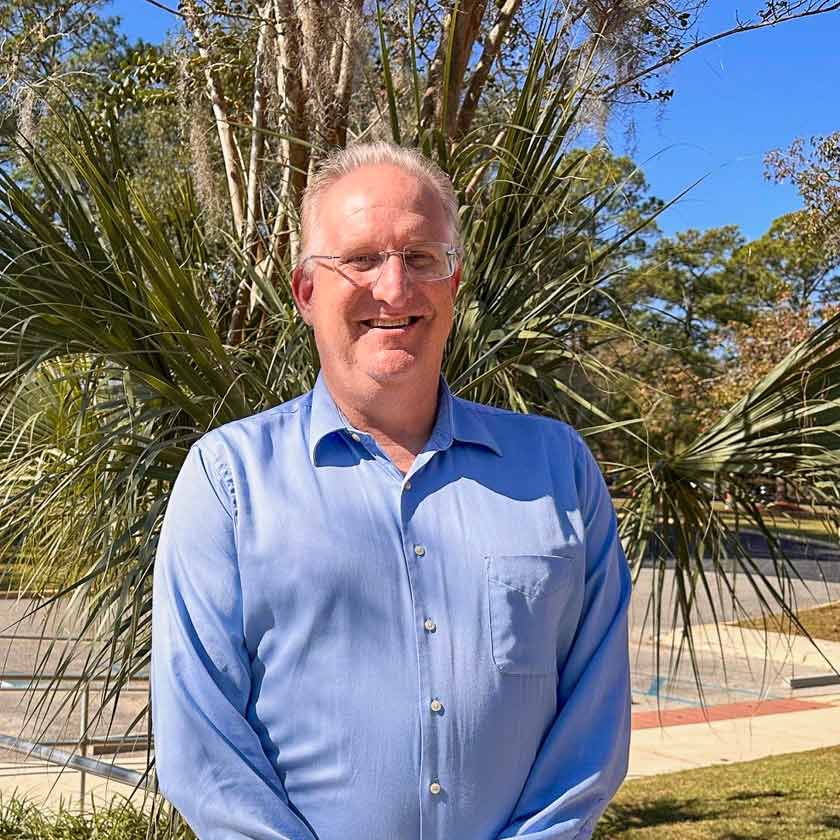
column 455, row 421
column 468, row 421
column 324, row 417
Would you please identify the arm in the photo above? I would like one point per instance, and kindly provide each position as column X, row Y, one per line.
column 583, row 758
column 209, row 761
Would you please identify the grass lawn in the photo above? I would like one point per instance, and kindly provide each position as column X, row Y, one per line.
column 785, row 524
column 787, row 797
column 821, row 622
column 13, row 576
column 17, row 577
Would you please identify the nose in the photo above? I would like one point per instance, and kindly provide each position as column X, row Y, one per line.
column 393, row 286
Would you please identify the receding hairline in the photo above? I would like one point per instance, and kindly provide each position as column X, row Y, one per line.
column 368, row 155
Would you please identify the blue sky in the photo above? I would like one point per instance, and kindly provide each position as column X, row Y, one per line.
column 734, row 101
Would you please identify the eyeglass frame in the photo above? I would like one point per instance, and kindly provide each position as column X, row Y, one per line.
column 452, row 251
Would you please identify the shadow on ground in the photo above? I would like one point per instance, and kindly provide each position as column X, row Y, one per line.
column 746, row 796
column 669, row 814
column 622, row 818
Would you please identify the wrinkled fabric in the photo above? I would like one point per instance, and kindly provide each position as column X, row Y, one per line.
column 344, row 652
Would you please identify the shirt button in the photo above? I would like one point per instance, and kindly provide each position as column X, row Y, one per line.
column 408, row 485
column 435, row 788
column 430, row 625
column 355, row 436
column 419, row 550
column 436, row 705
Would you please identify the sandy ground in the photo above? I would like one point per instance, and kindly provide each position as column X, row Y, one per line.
column 43, row 715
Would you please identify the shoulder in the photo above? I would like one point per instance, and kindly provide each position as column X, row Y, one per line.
column 239, row 439
column 507, row 425
column 538, row 444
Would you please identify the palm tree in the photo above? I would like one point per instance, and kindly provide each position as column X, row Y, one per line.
column 112, row 363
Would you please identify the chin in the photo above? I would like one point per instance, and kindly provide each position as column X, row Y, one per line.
column 385, row 376
column 393, row 367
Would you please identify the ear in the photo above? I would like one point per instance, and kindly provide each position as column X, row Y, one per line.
column 455, row 280
column 302, row 291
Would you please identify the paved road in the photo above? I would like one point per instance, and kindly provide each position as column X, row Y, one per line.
column 813, row 559
column 747, row 600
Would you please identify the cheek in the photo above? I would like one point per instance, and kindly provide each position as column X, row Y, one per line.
column 333, row 321
column 445, row 309
column 333, row 308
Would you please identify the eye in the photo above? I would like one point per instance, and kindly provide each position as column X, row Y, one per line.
column 360, row 262
column 421, row 258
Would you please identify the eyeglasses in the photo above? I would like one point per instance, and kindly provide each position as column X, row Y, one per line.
column 425, row 262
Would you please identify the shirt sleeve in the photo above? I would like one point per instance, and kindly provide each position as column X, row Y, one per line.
column 209, row 761
column 583, row 757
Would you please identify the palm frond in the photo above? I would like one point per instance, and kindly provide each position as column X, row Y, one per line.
column 787, row 428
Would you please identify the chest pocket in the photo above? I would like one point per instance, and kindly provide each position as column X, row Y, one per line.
column 534, row 601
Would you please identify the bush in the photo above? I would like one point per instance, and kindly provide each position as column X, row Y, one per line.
column 20, row 818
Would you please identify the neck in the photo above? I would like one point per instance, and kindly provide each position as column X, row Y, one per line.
column 398, row 416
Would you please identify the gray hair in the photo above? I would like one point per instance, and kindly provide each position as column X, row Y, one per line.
column 344, row 161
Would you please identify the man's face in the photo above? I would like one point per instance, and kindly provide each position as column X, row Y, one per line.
column 372, row 209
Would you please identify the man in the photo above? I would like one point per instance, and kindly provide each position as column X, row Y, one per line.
column 382, row 612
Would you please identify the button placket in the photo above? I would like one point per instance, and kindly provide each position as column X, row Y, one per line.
column 422, row 578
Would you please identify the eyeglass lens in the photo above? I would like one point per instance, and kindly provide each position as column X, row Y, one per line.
column 425, row 262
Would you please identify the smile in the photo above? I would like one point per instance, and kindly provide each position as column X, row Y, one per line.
column 391, row 323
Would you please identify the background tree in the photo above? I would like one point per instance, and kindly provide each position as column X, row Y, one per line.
column 689, row 288
column 138, row 324
column 716, row 314
column 814, row 168
column 793, row 259
column 45, row 44
column 674, row 300
column 753, row 349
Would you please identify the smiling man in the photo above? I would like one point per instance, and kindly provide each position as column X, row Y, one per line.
column 380, row 333
column 382, row 612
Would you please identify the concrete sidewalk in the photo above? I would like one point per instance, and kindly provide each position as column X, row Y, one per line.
column 754, row 732
column 681, row 736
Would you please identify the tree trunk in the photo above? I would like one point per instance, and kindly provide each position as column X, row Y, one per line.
column 467, row 27
column 478, row 80
column 250, row 242
column 344, row 75
column 460, row 29
column 227, row 140
column 291, row 84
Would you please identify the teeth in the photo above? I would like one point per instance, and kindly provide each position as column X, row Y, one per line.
column 398, row 322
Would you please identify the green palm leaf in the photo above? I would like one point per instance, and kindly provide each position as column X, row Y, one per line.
column 111, row 365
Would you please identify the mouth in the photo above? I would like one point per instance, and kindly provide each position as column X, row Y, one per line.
column 391, row 323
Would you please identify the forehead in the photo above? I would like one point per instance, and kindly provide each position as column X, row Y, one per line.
column 379, row 203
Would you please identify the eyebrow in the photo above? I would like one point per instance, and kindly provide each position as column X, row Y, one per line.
column 372, row 247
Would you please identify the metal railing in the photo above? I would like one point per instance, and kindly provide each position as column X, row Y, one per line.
column 49, row 750
column 83, row 764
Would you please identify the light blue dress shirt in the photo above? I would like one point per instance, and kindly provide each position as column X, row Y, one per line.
column 344, row 652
